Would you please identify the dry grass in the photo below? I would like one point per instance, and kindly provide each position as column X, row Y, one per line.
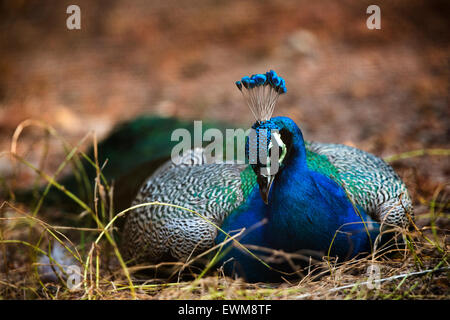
column 419, row 271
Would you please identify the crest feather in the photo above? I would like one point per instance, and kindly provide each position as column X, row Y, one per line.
column 261, row 92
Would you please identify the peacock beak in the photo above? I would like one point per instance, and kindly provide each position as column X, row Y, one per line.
column 265, row 182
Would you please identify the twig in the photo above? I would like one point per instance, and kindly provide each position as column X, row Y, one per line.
column 404, row 275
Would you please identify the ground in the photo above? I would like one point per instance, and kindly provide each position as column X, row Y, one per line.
column 384, row 91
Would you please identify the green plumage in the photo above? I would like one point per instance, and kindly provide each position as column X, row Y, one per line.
column 248, row 180
column 320, row 163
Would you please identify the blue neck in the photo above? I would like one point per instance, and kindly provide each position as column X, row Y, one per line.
column 306, row 209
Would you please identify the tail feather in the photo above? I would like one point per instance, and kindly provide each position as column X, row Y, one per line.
column 128, row 155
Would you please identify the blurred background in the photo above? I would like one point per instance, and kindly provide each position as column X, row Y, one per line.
column 385, row 91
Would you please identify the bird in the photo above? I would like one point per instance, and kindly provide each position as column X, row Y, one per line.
column 290, row 195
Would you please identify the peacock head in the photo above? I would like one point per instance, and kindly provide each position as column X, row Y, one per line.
column 270, row 139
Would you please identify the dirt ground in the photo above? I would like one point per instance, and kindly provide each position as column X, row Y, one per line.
column 384, row 91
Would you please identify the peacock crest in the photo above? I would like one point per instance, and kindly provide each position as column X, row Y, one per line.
column 261, row 92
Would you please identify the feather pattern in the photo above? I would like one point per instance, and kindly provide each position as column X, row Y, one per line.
column 152, row 233
column 369, row 181
column 213, row 190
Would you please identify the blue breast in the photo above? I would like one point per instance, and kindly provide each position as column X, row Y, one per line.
column 306, row 211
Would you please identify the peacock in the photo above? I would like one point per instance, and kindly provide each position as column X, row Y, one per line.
column 290, row 195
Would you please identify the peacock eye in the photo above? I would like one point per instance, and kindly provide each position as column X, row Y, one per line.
column 280, row 151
